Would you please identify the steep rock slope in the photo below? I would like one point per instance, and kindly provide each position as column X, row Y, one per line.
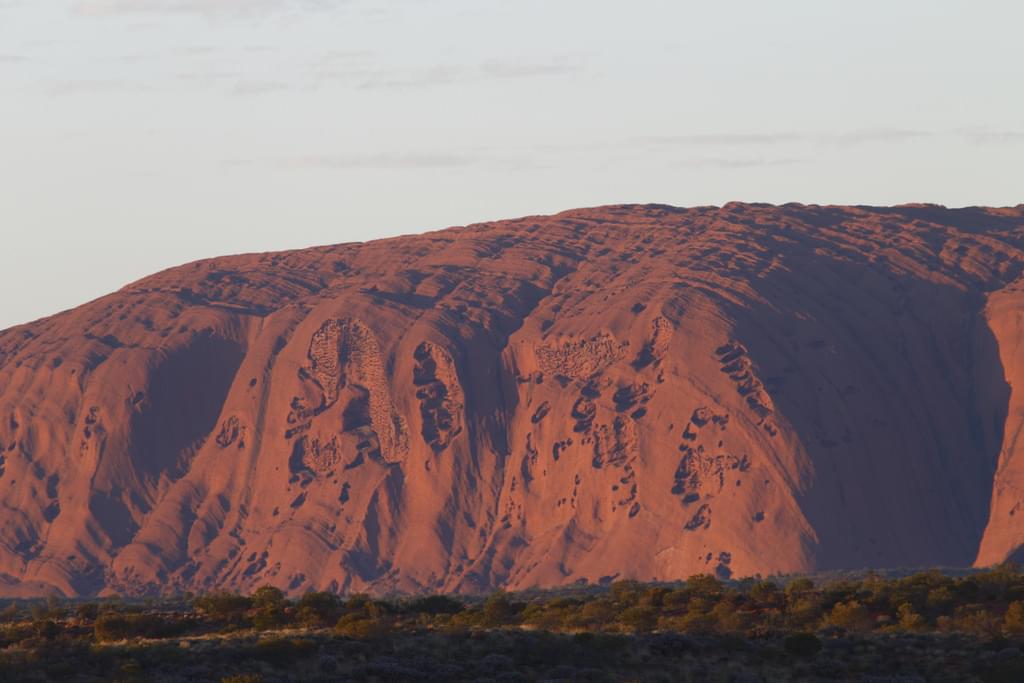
column 627, row 391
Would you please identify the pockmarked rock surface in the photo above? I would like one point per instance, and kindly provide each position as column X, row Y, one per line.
column 620, row 392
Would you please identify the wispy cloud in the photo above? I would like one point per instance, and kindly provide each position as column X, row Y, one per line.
column 195, row 51
column 987, row 136
column 335, row 58
column 357, row 70
column 861, row 136
column 187, row 52
column 499, row 69
column 12, row 59
column 203, row 7
column 870, row 135
column 208, row 77
column 722, row 139
column 411, row 78
column 363, row 161
column 727, row 163
column 94, row 87
column 259, row 87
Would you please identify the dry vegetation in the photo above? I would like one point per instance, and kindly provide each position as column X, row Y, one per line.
column 925, row 626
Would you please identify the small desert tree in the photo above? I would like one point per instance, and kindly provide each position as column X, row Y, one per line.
column 851, row 616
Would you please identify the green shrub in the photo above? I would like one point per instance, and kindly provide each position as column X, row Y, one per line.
column 112, row 627
column 270, row 605
column 282, row 651
column 799, row 586
column 224, row 605
column 436, row 604
column 131, row 668
column 318, row 608
column 694, row 621
column 909, row 620
column 10, row 613
column 87, row 611
column 654, row 597
column 940, row 599
column 51, row 609
column 851, row 616
column 802, row 644
column 1013, row 620
column 976, row 620
column 116, row 626
column 639, row 619
column 728, row 618
column 242, row 678
column 626, row 591
column 704, row 585
column 15, row 633
column 358, row 603
column 361, row 626
column 537, row 614
column 46, row 629
column 804, row 612
column 497, row 610
column 675, row 599
column 597, row 614
column 269, row 597
column 766, row 593
column 269, row 617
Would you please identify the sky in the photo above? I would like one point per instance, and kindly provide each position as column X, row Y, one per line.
column 137, row 135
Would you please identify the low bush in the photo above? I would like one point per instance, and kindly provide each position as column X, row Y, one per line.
column 435, row 605
column 284, row 651
column 118, row 626
column 361, row 627
column 224, row 605
column 802, row 644
column 242, row 678
column 318, row 609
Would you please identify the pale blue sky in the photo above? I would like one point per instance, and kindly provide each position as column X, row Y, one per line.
column 140, row 134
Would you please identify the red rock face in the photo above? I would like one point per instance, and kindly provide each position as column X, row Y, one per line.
column 631, row 391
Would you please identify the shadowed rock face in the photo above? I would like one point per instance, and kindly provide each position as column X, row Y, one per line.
column 628, row 391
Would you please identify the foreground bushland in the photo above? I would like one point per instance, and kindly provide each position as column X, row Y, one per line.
column 926, row 626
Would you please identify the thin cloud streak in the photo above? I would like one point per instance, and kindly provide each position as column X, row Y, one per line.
column 723, row 139
column 94, row 87
column 985, row 136
column 869, row 135
column 856, row 137
column 259, row 87
column 496, row 69
column 105, row 8
column 865, row 136
column 362, row 161
column 344, row 57
column 431, row 76
column 726, row 163
column 371, row 79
